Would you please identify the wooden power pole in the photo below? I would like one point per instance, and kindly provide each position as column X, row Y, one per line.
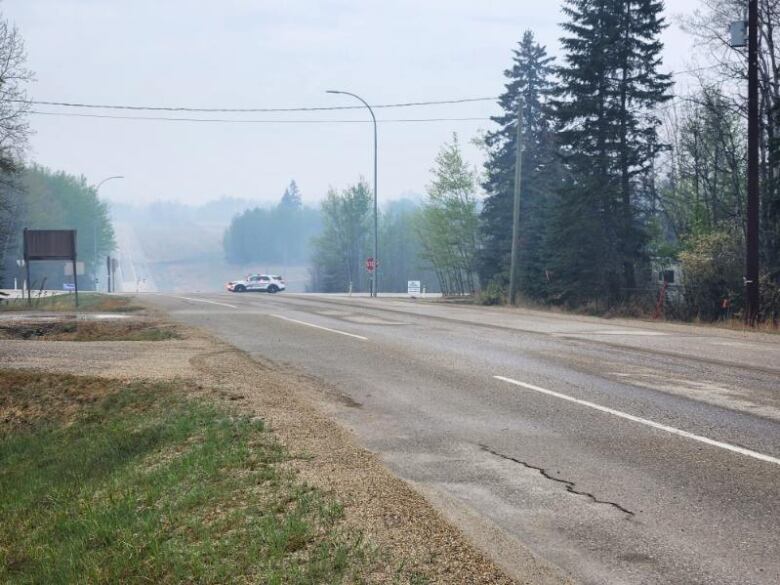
column 514, row 270
column 752, row 298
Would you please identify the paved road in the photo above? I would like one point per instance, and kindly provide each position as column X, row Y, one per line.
column 619, row 453
column 133, row 274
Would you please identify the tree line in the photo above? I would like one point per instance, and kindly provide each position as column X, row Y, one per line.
column 33, row 196
column 625, row 189
column 333, row 239
column 41, row 198
column 280, row 234
column 622, row 181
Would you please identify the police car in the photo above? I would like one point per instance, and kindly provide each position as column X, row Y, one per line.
column 257, row 283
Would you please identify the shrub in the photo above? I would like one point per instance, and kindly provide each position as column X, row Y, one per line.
column 492, row 294
column 712, row 270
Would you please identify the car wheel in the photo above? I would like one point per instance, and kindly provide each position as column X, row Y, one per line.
column 273, row 289
column 240, row 288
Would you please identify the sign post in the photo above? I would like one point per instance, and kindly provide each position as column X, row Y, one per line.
column 371, row 268
column 114, row 266
column 413, row 287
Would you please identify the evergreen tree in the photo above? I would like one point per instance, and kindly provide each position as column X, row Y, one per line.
column 529, row 80
column 292, row 197
column 605, row 108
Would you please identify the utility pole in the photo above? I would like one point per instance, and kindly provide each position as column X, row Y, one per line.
column 752, row 305
column 514, row 270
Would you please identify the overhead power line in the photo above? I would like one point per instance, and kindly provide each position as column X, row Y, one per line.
column 251, row 110
column 696, row 69
column 250, row 121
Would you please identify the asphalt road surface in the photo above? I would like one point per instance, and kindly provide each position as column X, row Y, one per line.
column 618, row 452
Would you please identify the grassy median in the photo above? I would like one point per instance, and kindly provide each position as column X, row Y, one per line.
column 104, row 482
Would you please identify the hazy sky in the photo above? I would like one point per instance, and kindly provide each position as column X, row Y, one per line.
column 257, row 53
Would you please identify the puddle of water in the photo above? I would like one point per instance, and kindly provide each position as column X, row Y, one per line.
column 28, row 317
column 54, row 317
column 102, row 316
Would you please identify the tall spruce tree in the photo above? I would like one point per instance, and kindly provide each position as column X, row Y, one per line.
column 605, row 106
column 529, row 79
column 292, row 197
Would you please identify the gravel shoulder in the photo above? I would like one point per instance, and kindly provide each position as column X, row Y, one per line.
column 389, row 512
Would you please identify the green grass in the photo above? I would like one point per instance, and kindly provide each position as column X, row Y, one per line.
column 140, row 484
column 65, row 302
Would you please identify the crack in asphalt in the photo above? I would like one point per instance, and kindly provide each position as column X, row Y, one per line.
column 570, row 485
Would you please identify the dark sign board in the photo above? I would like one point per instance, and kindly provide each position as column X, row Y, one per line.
column 50, row 244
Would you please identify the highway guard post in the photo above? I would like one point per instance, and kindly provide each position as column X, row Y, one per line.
column 50, row 245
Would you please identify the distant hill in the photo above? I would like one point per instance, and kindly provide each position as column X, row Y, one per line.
column 218, row 211
column 182, row 244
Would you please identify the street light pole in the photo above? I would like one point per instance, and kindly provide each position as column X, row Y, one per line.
column 94, row 227
column 375, row 288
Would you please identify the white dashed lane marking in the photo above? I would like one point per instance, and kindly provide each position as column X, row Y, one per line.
column 646, row 422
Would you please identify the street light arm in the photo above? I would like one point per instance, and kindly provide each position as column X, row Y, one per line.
column 94, row 231
column 100, row 184
column 357, row 97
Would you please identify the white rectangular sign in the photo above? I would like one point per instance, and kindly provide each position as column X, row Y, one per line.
column 69, row 268
column 413, row 287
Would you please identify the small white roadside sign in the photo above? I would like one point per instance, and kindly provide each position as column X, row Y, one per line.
column 69, row 268
column 413, row 287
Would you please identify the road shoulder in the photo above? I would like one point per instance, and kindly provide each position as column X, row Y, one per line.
column 415, row 539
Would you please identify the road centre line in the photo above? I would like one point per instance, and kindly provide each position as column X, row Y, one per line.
column 204, row 301
column 320, row 327
column 646, row 422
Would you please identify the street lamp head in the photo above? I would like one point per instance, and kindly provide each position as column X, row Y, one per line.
column 333, row 91
column 108, row 179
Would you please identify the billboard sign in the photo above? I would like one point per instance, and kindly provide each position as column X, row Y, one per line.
column 49, row 244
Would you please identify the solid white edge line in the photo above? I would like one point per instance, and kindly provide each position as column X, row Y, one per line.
column 646, row 422
column 204, row 301
column 320, row 327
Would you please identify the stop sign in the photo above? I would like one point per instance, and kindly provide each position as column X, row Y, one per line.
column 370, row 264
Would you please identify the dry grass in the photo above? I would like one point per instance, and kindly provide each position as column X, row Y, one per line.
column 74, row 330
column 88, row 302
column 28, row 398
